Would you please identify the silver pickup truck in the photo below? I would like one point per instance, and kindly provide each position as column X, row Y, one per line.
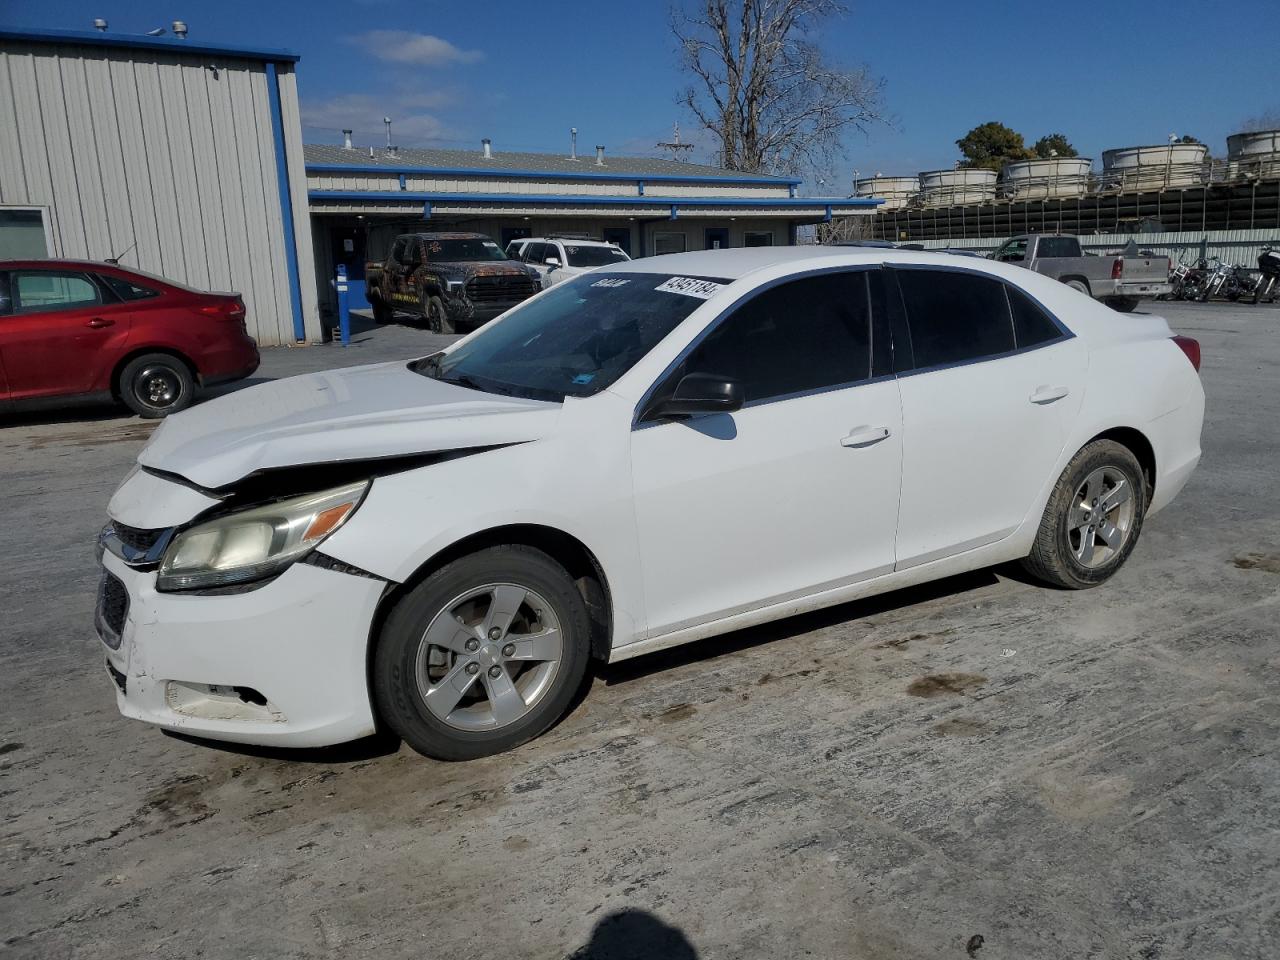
column 1118, row 281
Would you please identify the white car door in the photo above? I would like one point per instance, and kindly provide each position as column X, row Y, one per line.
column 993, row 386
column 795, row 493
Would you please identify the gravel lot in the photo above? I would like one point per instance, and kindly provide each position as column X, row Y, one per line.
column 982, row 767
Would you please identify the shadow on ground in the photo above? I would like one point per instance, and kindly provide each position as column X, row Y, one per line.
column 635, row 935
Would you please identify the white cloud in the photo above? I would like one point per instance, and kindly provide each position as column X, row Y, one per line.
column 363, row 113
column 404, row 46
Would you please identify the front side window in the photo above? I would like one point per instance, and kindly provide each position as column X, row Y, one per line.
column 397, row 250
column 955, row 317
column 34, row 291
column 808, row 334
column 574, row 340
column 1012, row 251
column 593, row 256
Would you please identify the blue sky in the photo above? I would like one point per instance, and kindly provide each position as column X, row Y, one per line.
column 448, row 73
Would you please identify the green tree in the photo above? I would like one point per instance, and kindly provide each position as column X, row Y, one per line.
column 1054, row 145
column 992, row 145
column 1186, row 138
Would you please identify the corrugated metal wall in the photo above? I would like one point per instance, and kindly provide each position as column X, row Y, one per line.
column 173, row 152
column 1239, row 247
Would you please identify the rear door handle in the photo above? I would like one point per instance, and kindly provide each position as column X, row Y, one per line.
column 1047, row 394
column 99, row 322
column 865, row 436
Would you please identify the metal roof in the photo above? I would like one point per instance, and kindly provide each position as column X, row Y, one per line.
column 409, row 160
column 131, row 41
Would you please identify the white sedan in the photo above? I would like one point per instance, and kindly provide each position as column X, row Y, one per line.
column 655, row 452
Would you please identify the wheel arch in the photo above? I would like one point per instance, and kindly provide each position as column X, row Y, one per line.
column 1136, row 442
column 1067, row 278
column 136, row 352
column 571, row 553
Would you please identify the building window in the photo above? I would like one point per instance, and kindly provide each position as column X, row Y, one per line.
column 22, row 234
column 758, row 238
column 668, row 243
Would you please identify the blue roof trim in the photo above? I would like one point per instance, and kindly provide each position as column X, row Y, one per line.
column 822, row 203
column 130, row 41
column 390, row 170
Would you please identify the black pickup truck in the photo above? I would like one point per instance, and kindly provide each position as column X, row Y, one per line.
column 449, row 279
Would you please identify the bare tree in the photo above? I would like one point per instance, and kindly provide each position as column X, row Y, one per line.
column 764, row 89
column 1267, row 120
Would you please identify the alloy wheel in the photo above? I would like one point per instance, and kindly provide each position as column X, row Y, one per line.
column 1101, row 517
column 489, row 656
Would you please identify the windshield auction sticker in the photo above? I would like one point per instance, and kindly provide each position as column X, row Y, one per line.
column 691, row 287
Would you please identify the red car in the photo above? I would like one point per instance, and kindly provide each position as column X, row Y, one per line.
column 79, row 330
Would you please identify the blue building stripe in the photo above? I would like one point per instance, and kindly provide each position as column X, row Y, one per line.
column 286, row 202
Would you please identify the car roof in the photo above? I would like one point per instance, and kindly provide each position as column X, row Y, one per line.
column 575, row 241
column 51, row 263
column 447, row 235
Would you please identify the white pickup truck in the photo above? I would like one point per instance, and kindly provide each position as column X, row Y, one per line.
column 1119, row 281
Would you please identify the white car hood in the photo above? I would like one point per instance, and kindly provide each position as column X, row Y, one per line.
column 359, row 413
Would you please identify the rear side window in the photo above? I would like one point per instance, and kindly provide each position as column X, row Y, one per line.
column 1031, row 325
column 127, row 290
column 1058, row 247
column 955, row 317
column 804, row 335
column 35, row 291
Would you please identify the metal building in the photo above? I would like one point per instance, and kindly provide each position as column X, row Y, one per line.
column 181, row 158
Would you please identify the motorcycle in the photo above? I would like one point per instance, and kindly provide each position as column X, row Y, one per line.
column 1269, row 275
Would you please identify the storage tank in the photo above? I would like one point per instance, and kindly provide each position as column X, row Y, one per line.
column 945, row 188
column 1153, row 167
column 1254, row 155
column 896, row 192
column 1043, row 179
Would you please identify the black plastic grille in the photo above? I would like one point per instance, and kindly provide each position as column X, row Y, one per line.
column 493, row 289
column 113, row 607
column 135, row 538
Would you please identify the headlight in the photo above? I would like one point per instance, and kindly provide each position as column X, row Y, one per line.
column 256, row 542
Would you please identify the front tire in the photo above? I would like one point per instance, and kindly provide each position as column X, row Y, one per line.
column 382, row 313
column 435, row 314
column 483, row 655
column 1093, row 518
column 155, row 385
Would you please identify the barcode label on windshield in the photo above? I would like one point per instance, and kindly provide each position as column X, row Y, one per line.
column 691, row 287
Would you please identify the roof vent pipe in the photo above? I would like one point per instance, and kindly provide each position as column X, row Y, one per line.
column 346, row 140
column 599, row 155
column 179, row 29
column 487, row 146
column 99, row 24
column 573, row 143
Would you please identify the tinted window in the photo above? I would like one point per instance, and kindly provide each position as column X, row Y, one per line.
column 1058, row 247
column 125, row 289
column 1013, row 250
column 955, row 316
column 804, row 335
column 593, row 256
column 457, row 250
column 1031, row 325
column 49, row 290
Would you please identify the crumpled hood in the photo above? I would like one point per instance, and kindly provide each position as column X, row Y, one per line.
column 375, row 411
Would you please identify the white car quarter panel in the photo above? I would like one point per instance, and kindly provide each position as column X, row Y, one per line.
column 740, row 510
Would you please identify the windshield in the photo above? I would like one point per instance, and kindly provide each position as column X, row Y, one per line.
column 469, row 248
column 574, row 340
column 594, row 256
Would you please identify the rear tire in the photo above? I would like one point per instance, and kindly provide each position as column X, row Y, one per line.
column 156, row 384
column 457, row 678
column 1079, row 285
column 1123, row 304
column 1093, row 518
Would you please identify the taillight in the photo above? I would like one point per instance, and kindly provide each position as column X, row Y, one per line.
column 1191, row 347
column 1117, row 269
column 224, row 309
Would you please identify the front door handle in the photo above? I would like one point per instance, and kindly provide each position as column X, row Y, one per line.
column 1047, row 394
column 865, row 436
column 99, row 322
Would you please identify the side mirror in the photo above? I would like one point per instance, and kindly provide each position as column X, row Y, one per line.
column 552, row 262
column 699, row 393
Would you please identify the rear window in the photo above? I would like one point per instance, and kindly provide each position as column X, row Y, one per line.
column 593, row 256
